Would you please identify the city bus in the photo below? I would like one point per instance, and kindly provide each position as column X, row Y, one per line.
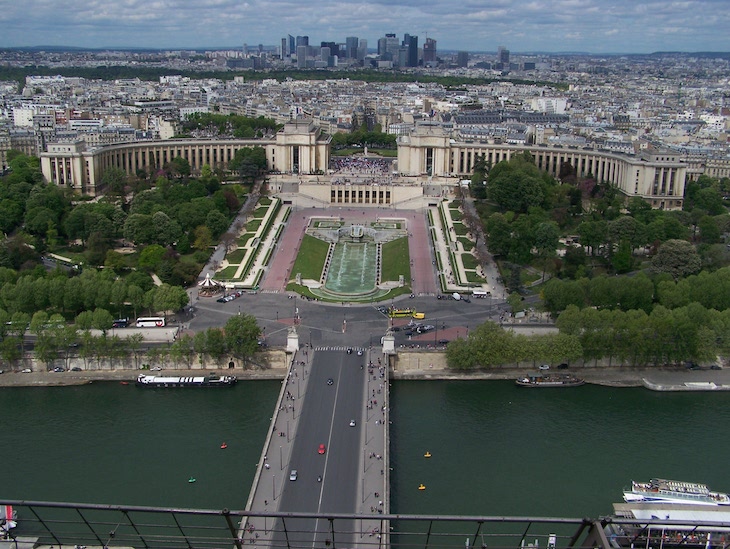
column 150, row 322
column 481, row 294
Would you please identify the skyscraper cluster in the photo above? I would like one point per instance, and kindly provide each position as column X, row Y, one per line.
column 391, row 50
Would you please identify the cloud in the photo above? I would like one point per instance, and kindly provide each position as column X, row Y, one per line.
column 473, row 25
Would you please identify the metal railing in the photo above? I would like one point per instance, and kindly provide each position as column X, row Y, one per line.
column 94, row 525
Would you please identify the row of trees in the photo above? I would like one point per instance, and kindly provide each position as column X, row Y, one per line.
column 709, row 289
column 56, row 292
column 488, row 345
column 55, row 340
column 232, row 125
column 361, row 137
column 664, row 336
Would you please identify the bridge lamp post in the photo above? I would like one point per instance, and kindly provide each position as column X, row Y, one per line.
column 281, row 459
column 273, row 486
column 287, row 430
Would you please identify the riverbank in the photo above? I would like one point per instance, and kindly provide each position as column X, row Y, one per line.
column 430, row 366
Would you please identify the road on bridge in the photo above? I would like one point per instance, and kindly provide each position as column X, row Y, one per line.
column 326, row 414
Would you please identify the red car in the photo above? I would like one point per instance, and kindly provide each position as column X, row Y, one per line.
column 322, row 449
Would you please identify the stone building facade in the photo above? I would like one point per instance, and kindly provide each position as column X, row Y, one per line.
column 430, row 160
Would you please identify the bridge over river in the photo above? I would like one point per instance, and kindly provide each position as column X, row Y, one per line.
column 330, row 423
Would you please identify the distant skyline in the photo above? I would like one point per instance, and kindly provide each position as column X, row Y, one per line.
column 591, row 26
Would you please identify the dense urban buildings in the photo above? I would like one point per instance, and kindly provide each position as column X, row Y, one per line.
column 609, row 117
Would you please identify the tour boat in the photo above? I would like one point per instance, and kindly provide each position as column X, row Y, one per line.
column 659, row 490
column 549, row 380
column 185, row 381
column 224, row 446
column 8, row 518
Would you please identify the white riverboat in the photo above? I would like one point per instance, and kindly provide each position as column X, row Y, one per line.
column 185, row 381
column 8, row 518
column 674, row 491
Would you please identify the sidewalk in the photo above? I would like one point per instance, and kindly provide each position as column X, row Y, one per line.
column 273, row 467
column 373, row 494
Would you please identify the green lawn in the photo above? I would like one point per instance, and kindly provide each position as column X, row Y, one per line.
column 236, row 256
column 460, row 229
column 311, row 257
column 467, row 243
column 456, row 215
column 396, row 261
column 227, row 273
column 469, row 261
column 243, row 240
column 260, row 212
column 252, row 225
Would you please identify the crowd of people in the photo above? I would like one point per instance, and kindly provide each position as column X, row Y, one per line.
column 358, row 165
column 361, row 170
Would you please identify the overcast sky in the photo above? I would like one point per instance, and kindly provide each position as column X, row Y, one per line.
column 594, row 26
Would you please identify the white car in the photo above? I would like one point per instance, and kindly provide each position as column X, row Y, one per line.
column 293, row 475
column 359, row 352
column 544, row 366
column 352, row 423
column 156, row 369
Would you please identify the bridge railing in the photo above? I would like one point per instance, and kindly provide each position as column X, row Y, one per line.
column 96, row 525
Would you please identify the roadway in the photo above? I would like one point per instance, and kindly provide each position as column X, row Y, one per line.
column 325, row 418
column 354, row 467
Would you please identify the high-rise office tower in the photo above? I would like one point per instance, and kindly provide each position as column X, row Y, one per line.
column 411, row 44
column 351, row 47
column 292, row 45
column 334, row 48
column 302, row 41
column 462, row 59
column 388, row 47
column 429, row 51
column 284, row 48
column 302, row 57
column 503, row 56
column 362, row 49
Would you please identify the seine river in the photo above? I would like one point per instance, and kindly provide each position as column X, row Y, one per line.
column 497, row 449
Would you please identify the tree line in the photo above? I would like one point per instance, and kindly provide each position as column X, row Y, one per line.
column 662, row 337
column 55, row 340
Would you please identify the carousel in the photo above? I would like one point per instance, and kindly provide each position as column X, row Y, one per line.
column 209, row 287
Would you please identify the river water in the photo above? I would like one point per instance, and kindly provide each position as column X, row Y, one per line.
column 497, row 449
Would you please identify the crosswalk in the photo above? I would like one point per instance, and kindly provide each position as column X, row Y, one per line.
column 341, row 348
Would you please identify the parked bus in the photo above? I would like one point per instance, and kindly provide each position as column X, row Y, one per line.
column 481, row 294
column 150, row 322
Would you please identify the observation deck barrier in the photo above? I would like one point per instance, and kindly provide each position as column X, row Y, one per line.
column 46, row 524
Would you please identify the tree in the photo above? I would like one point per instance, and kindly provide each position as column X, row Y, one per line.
column 179, row 167
column 114, row 181
column 593, row 234
column 151, row 257
column 499, row 234
column 134, row 342
column 216, row 222
column 676, row 257
column 170, row 298
column 547, row 238
column 516, row 185
column 709, row 230
column 242, row 336
column 167, row 230
column 102, row 320
column 215, row 343
column 203, row 238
